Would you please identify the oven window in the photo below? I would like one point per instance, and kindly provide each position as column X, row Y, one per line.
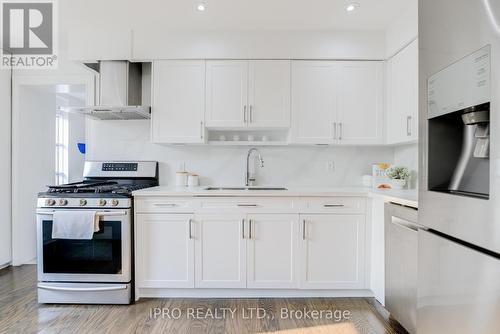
column 101, row 255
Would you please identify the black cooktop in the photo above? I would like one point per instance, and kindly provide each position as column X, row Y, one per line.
column 96, row 188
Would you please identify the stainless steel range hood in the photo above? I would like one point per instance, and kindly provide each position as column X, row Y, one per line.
column 123, row 92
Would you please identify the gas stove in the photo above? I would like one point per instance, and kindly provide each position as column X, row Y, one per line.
column 105, row 184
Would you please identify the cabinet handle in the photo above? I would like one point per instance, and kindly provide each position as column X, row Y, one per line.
column 168, row 205
column 408, row 126
column 334, row 130
column 251, row 114
column 303, row 229
column 247, row 205
column 190, row 222
column 201, row 130
column 341, row 128
column 250, row 229
column 244, row 114
column 243, row 228
column 333, row 205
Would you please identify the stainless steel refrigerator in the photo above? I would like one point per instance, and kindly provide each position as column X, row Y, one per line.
column 459, row 153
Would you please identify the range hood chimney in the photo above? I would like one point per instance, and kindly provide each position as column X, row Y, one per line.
column 123, row 93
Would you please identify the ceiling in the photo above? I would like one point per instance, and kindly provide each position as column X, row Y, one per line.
column 241, row 14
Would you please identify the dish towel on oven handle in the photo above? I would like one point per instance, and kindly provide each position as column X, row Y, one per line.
column 74, row 224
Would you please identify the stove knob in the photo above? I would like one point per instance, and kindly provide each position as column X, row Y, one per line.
column 63, row 202
column 114, row 202
column 50, row 202
column 83, row 202
column 102, row 202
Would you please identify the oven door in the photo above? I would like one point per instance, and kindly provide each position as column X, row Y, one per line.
column 104, row 258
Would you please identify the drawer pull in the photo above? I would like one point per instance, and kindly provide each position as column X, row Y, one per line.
column 166, row 205
column 247, row 205
column 333, row 205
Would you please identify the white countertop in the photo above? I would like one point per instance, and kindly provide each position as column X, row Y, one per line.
column 403, row 197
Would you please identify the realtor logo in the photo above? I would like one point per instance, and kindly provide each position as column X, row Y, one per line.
column 28, row 34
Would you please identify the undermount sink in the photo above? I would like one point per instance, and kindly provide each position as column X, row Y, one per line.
column 246, row 188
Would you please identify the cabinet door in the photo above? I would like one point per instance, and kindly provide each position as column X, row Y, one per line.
column 313, row 101
column 360, row 115
column 402, row 116
column 164, row 251
column 178, row 101
column 272, row 253
column 333, row 251
column 220, row 251
column 227, row 93
column 269, row 93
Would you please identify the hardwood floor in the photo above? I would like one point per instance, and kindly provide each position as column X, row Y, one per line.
column 20, row 313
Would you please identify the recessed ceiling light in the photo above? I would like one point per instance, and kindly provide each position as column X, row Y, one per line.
column 201, row 6
column 351, row 7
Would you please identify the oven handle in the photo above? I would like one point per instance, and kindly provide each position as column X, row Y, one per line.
column 100, row 214
column 104, row 288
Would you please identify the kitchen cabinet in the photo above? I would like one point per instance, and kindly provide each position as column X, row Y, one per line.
column 272, row 251
column 226, row 93
column 249, row 243
column 269, row 93
column 242, row 93
column 178, row 101
column 164, row 251
column 336, row 102
column 402, row 96
column 220, row 251
column 360, row 117
column 313, row 102
column 332, row 251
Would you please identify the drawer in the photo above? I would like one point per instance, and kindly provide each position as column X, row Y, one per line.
column 248, row 204
column 164, row 204
column 344, row 205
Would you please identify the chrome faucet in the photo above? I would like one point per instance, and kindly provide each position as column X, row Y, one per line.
column 250, row 179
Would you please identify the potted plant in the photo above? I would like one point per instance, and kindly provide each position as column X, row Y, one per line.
column 398, row 175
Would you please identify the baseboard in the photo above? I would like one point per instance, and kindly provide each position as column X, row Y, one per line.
column 246, row 293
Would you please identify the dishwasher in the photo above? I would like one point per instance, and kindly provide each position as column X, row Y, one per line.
column 401, row 260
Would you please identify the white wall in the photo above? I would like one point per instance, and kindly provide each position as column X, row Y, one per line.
column 33, row 162
column 304, row 165
column 407, row 155
column 403, row 30
column 5, row 168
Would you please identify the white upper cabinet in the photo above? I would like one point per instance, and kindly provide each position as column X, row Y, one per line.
column 402, row 97
column 360, row 114
column 227, row 93
column 269, row 93
column 242, row 93
column 337, row 102
column 178, row 101
column 313, row 102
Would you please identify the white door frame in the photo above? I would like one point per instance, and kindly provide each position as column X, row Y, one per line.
column 19, row 256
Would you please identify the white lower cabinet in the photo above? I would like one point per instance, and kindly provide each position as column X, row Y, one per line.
column 164, row 252
column 332, row 251
column 251, row 250
column 272, row 251
column 220, row 251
